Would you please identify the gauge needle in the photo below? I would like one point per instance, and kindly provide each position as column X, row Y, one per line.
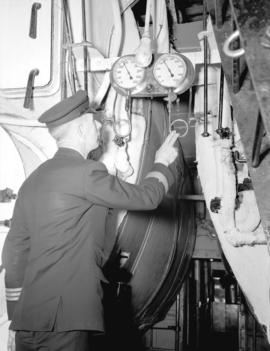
column 130, row 76
column 172, row 75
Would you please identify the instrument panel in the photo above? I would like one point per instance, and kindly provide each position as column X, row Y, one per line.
column 168, row 73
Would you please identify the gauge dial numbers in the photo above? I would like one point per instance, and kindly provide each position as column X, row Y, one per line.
column 127, row 76
column 170, row 70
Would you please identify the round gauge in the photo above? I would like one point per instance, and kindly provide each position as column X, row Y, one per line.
column 170, row 70
column 126, row 74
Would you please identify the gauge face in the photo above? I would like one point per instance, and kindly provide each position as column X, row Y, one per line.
column 126, row 74
column 170, row 70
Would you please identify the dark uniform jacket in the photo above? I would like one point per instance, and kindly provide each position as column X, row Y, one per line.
column 53, row 251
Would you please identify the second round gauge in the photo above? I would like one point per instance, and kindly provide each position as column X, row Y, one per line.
column 126, row 74
column 170, row 70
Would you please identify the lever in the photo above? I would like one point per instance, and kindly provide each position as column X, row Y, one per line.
column 33, row 21
column 29, row 89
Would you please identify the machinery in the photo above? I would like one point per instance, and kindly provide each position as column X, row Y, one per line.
column 200, row 67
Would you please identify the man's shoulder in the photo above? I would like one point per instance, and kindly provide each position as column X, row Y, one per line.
column 93, row 165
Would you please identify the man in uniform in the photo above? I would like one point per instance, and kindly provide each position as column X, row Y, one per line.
column 53, row 251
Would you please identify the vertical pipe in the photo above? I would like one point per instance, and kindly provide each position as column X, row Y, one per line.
column 211, row 294
column 235, row 63
column 151, row 338
column 170, row 110
column 69, row 39
column 242, row 328
column 190, row 103
column 147, row 18
column 207, row 282
column 218, row 13
column 85, row 52
column 197, row 276
column 256, row 148
column 177, row 324
column 204, row 296
column 220, row 105
column 186, row 338
column 205, row 69
column 254, row 334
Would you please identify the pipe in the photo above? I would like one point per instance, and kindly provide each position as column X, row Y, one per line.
column 205, row 68
column 232, row 53
column 220, row 105
column 85, row 52
column 114, row 51
column 144, row 51
column 70, row 65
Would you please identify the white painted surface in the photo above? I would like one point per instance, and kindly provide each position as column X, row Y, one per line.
column 25, row 53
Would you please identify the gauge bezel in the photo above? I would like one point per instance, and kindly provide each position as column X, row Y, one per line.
column 122, row 89
column 157, row 63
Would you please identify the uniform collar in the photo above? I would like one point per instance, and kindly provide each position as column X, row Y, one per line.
column 64, row 151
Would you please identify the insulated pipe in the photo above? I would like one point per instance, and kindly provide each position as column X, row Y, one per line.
column 147, row 18
column 144, row 51
column 85, row 52
column 70, row 64
column 114, row 51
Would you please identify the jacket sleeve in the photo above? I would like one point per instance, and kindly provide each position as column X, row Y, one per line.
column 15, row 256
column 107, row 190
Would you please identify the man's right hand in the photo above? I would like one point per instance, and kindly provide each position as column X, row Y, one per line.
column 167, row 152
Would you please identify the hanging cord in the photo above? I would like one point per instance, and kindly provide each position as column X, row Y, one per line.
column 170, row 110
column 190, row 101
column 143, row 54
